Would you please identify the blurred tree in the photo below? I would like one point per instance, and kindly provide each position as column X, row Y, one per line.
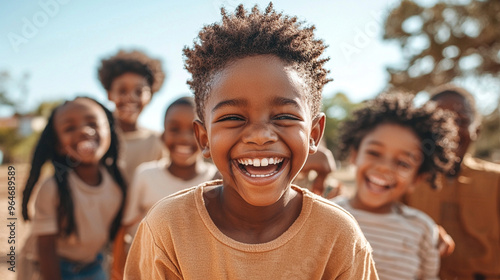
column 337, row 108
column 447, row 40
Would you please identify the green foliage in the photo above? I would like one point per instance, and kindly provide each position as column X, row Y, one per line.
column 337, row 108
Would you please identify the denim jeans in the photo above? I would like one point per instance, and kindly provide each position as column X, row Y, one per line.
column 77, row 271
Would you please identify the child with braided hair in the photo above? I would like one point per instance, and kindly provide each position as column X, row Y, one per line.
column 257, row 78
column 78, row 210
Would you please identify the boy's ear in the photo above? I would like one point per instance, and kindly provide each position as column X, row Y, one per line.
column 317, row 130
column 201, row 136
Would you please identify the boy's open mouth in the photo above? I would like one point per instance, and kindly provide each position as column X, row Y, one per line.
column 260, row 167
column 378, row 185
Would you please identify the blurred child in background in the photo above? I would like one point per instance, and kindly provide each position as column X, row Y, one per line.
column 130, row 80
column 158, row 179
column 394, row 146
column 79, row 209
column 184, row 168
column 467, row 204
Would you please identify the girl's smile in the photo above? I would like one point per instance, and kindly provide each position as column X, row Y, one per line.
column 83, row 131
column 386, row 169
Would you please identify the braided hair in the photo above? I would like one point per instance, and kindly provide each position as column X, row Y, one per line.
column 45, row 150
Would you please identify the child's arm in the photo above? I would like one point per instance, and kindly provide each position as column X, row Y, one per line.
column 49, row 261
column 430, row 252
column 147, row 260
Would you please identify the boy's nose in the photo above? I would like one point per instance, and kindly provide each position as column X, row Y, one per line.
column 259, row 134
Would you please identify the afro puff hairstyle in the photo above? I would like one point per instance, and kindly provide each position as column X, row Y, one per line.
column 131, row 62
column 434, row 127
column 252, row 33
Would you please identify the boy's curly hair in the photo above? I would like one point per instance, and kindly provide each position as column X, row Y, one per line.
column 434, row 127
column 135, row 62
column 246, row 34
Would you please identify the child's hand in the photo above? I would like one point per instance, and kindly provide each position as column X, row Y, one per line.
column 446, row 245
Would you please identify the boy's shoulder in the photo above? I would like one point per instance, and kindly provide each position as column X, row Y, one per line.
column 179, row 205
column 415, row 215
column 329, row 213
column 151, row 167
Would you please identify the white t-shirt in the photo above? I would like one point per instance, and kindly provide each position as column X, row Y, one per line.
column 152, row 182
column 95, row 208
column 404, row 241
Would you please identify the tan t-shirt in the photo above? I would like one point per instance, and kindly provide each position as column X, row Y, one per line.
column 95, row 207
column 137, row 147
column 153, row 181
column 178, row 240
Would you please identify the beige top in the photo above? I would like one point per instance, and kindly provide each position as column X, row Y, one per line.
column 468, row 207
column 325, row 242
column 137, row 147
column 95, row 207
column 152, row 182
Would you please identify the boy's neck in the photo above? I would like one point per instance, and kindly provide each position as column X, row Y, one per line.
column 252, row 224
column 89, row 174
column 127, row 127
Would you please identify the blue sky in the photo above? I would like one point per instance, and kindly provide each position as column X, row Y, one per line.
column 60, row 43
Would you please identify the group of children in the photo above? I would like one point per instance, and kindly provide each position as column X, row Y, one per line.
column 257, row 78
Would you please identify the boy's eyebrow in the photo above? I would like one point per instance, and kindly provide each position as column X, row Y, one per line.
column 230, row 102
column 278, row 101
column 282, row 101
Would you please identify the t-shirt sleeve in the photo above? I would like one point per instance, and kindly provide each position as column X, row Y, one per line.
column 146, row 260
column 46, row 203
column 363, row 266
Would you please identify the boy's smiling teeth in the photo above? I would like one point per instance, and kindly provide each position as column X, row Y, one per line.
column 260, row 167
column 259, row 162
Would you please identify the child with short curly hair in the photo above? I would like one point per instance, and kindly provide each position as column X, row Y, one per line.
column 395, row 145
column 257, row 79
column 130, row 79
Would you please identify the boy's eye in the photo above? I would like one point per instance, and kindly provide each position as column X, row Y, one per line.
column 173, row 129
column 373, row 153
column 286, row 117
column 230, row 118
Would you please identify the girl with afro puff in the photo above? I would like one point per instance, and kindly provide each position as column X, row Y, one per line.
column 130, row 79
column 394, row 146
column 257, row 79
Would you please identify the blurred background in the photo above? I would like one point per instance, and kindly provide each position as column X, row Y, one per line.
column 50, row 51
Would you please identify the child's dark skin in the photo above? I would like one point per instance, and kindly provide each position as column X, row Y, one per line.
column 84, row 136
column 269, row 124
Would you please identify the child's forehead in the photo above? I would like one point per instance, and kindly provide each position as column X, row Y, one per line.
column 80, row 107
column 260, row 72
